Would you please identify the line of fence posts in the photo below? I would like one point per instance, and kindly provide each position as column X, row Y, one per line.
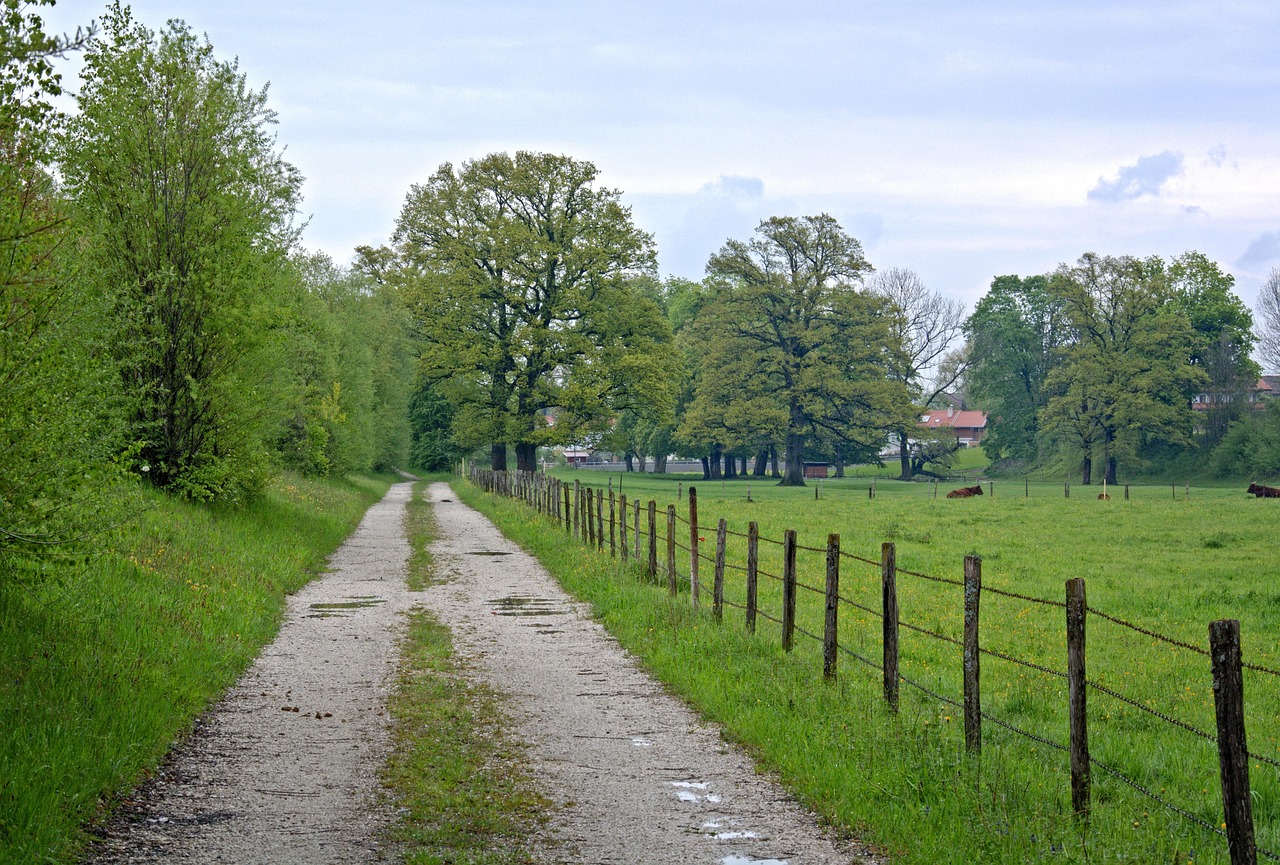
column 1224, row 635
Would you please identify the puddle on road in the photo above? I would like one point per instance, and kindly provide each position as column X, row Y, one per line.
column 487, row 553
column 523, row 605
column 340, row 609
column 684, row 792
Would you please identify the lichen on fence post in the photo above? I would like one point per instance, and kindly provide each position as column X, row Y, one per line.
column 671, row 549
column 889, row 602
column 972, row 656
column 717, row 587
column 753, row 567
column 693, row 544
column 653, row 540
column 1233, row 756
column 830, row 645
column 789, row 590
column 1076, row 693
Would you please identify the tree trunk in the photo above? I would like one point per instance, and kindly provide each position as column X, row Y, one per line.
column 839, row 467
column 773, row 462
column 1086, row 470
column 1111, row 471
column 793, row 474
column 714, row 462
column 904, row 455
column 706, row 468
column 730, row 467
column 526, row 457
column 629, row 459
column 762, row 463
column 642, row 461
column 498, row 458
column 1109, row 459
column 742, row 466
column 660, row 464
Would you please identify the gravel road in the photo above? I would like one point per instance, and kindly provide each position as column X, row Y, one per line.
column 284, row 769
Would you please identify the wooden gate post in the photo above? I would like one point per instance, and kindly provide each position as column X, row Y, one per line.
column 972, row 694
column 693, row 544
column 622, row 525
column 1233, row 757
column 789, row 589
column 889, row 603
column 1076, row 690
column 753, row 568
column 671, row 549
column 830, row 644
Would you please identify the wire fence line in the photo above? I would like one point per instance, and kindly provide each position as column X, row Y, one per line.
column 589, row 525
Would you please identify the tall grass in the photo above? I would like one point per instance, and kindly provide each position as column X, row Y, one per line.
column 103, row 666
column 1168, row 563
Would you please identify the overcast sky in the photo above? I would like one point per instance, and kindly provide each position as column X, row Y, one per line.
column 961, row 140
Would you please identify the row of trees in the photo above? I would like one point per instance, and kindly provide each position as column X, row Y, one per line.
column 156, row 315
column 543, row 323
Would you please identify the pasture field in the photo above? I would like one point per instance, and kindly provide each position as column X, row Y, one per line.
column 103, row 666
column 1163, row 560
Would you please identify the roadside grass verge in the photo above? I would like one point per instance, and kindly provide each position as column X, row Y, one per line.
column 456, row 777
column 105, row 665
column 905, row 781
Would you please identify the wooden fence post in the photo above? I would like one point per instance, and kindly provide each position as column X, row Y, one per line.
column 753, row 568
column 693, row 544
column 889, row 602
column 653, row 540
column 622, row 525
column 1126, row 492
column 671, row 549
column 830, row 644
column 717, row 587
column 972, row 694
column 1076, row 691
column 789, row 590
column 1233, row 757
column 577, row 508
column 599, row 519
column 568, row 510
column 636, row 533
column 613, row 528
column 591, row 517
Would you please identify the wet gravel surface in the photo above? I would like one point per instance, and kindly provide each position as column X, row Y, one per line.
column 284, row 769
column 638, row 777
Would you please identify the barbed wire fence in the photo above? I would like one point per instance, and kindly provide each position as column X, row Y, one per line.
column 582, row 513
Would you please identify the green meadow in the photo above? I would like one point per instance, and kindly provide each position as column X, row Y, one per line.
column 1168, row 559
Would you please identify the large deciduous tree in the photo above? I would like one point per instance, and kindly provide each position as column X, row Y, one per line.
column 1269, row 327
column 1125, row 377
column 1015, row 333
column 521, row 274
column 187, row 207
column 796, row 347
column 927, row 326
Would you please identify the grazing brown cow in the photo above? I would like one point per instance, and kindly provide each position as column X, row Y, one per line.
column 1264, row 492
column 965, row 492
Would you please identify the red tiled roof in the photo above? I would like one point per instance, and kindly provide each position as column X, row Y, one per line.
column 937, row 419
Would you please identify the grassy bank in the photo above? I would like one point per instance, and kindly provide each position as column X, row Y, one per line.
column 456, row 776
column 1169, row 563
column 105, row 665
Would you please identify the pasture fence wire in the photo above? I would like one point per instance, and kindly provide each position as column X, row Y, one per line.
column 582, row 513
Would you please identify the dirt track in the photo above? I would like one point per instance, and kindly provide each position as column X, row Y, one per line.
column 284, row 770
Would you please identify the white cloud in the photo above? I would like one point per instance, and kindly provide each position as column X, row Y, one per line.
column 1147, row 176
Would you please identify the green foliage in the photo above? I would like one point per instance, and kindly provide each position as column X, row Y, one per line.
column 1251, row 447
column 186, row 207
column 58, row 434
column 520, row 273
column 791, row 348
column 1124, row 379
column 1015, row 333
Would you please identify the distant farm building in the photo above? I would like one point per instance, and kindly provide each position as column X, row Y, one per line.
column 816, row 470
column 577, row 458
column 966, row 424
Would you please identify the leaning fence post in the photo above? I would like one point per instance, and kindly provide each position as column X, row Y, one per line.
column 1233, row 757
column 829, row 639
column 653, row 540
column 789, row 589
column 753, row 568
column 591, row 517
column 693, row 543
column 1076, row 690
column 568, row 509
column 717, row 587
column 889, row 599
column 671, row 549
column 972, row 697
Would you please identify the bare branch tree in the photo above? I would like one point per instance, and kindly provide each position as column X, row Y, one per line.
column 1269, row 327
column 929, row 325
